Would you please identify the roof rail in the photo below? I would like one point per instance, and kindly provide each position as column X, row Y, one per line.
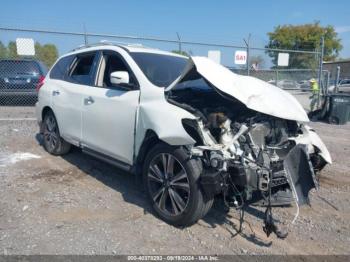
column 107, row 42
column 88, row 45
column 121, row 43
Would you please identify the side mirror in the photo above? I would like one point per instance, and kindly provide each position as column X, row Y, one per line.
column 119, row 77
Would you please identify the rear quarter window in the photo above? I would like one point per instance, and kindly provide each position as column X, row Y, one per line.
column 61, row 68
column 82, row 71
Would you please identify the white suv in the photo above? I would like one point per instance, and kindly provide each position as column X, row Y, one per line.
column 189, row 126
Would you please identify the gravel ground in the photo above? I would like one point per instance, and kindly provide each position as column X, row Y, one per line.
column 78, row 205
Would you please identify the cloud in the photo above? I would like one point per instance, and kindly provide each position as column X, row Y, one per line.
column 342, row 29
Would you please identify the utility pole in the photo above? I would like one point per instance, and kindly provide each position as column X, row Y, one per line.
column 178, row 37
column 335, row 90
column 320, row 69
column 247, row 42
column 85, row 35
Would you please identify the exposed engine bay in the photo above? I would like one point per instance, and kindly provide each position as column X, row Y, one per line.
column 249, row 157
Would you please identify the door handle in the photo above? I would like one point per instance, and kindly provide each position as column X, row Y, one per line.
column 89, row 100
column 55, row 93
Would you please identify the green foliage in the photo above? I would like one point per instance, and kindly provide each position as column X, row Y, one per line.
column 184, row 53
column 3, row 50
column 258, row 60
column 12, row 50
column 304, row 37
column 47, row 53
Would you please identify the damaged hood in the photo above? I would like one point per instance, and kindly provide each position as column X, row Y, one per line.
column 254, row 93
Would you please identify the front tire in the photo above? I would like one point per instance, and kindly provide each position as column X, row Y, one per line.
column 171, row 181
column 53, row 142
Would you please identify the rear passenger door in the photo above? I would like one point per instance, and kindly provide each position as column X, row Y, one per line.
column 109, row 111
column 67, row 95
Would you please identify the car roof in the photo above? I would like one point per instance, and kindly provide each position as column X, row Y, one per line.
column 130, row 48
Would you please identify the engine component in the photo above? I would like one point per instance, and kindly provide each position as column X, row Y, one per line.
column 264, row 180
column 217, row 160
column 215, row 120
column 213, row 182
column 229, row 139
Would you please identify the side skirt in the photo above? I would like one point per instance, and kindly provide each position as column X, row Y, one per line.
column 107, row 159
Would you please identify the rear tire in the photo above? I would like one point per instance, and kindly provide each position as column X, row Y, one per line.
column 171, row 180
column 53, row 142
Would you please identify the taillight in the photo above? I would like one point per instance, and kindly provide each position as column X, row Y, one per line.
column 40, row 83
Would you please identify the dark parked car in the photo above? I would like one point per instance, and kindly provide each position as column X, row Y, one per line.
column 19, row 78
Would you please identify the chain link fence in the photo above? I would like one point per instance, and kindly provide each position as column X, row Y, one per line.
column 21, row 75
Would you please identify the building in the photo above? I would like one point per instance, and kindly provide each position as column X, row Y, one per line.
column 332, row 68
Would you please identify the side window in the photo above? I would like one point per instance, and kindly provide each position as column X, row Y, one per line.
column 112, row 63
column 82, row 70
column 61, row 68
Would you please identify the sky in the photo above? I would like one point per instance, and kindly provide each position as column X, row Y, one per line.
column 207, row 21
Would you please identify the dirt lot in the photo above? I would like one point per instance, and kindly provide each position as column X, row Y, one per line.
column 78, row 205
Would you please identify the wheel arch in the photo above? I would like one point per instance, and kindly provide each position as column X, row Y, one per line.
column 149, row 141
column 44, row 111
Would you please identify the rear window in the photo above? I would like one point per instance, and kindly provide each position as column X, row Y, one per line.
column 61, row 68
column 19, row 67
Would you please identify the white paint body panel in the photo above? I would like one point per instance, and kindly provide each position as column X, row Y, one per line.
column 67, row 106
column 165, row 119
column 254, row 93
column 312, row 139
column 108, row 123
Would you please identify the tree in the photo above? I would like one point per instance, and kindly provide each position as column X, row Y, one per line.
column 3, row 50
column 12, row 50
column 256, row 61
column 47, row 53
column 184, row 53
column 304, row 37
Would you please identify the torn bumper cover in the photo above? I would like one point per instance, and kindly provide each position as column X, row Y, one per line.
column 300, row 174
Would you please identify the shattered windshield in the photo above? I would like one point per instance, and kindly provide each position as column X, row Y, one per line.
column 160, row 69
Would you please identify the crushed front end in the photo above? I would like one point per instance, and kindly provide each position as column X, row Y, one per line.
column 255, row 162
column 251, row 138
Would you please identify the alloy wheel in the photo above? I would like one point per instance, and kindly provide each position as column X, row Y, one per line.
column 168, row 184
column 51, row 132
